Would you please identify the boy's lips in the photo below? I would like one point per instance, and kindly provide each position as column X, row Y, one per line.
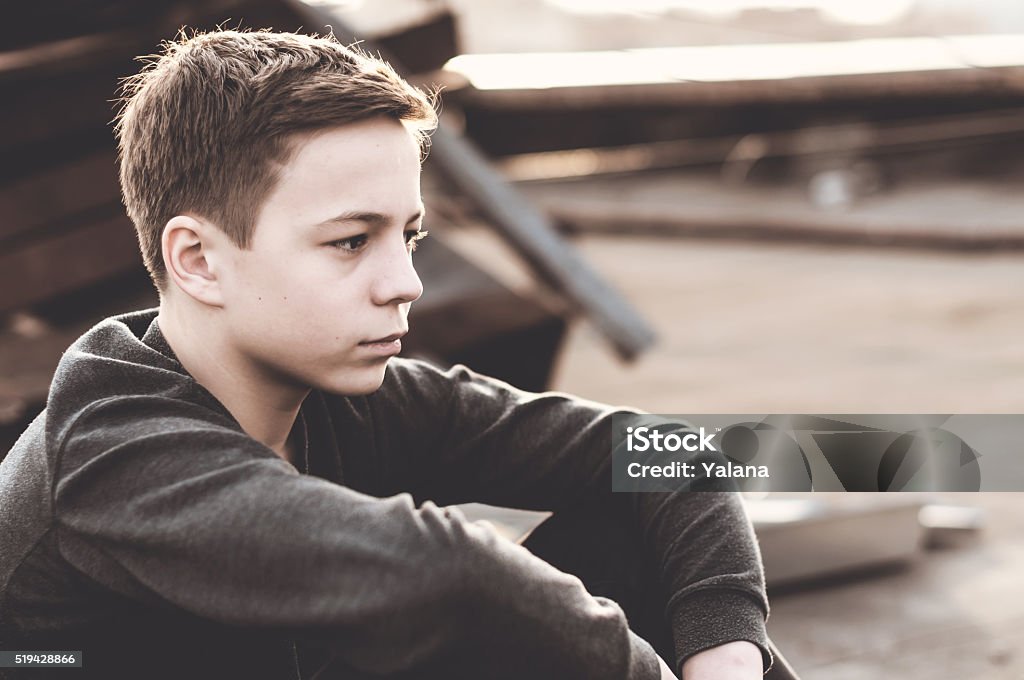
column 385, row 340
column 388, row 346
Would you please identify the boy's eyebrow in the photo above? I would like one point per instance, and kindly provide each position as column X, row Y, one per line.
column 374, row 219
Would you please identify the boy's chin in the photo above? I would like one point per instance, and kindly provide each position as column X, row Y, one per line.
column 354, row 383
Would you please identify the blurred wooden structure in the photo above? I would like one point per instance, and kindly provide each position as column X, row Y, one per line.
column 518, row 103
column 897, row 142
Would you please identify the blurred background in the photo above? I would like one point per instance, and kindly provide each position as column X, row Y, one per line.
column 799, row 206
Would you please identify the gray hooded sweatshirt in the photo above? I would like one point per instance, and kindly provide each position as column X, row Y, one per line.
column 140, row 524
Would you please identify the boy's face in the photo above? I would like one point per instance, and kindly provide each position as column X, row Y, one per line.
column 327, row 283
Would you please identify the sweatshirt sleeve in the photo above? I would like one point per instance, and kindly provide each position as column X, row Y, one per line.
column 483, row 440
column 158, row 502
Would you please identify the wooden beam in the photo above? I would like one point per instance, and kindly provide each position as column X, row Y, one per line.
column 946, row 217
column 723, row 75
column 51, row 197
column 64, row 105
column 865, row 138
column 62, row 263
column 533, row 234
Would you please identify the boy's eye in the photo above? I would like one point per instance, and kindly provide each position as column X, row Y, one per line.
column 413, row 236
column 352, row 244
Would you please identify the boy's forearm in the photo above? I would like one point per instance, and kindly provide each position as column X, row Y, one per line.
column 738, row 660
column 704, row 550
column 577, row 634
column 485, row 441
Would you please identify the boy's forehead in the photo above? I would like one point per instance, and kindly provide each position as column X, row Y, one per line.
column 370, row 167
column 356, row 143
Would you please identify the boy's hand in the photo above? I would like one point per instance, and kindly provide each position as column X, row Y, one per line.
column 738, row 660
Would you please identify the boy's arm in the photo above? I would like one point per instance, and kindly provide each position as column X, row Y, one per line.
column 732, row 661
column 158, row 502
column 478, row 439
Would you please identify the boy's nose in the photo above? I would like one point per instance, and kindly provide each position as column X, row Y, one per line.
column 397, row 280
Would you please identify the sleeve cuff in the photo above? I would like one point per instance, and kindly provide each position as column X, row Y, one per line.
column 709, row 618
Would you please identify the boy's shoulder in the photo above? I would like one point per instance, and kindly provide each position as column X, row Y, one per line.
column 124, row 362
column 113, row 386
column 117, row 383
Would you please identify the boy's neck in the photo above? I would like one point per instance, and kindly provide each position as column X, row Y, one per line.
column 266, row 409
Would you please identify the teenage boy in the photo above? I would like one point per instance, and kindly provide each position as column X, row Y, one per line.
column 245, row 482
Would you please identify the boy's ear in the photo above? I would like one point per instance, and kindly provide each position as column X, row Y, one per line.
column 190, row 259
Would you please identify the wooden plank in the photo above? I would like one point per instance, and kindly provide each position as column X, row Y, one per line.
column 997, row 127
column 59, row 20
column 941, row 216
column 852, row 88
column 52, row 196
column 57, row 107
column 732, row 74
column 56, row 21
column 59, row 264
column 78, row 53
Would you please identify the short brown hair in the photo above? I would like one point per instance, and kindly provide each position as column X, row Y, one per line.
column 205, row 126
